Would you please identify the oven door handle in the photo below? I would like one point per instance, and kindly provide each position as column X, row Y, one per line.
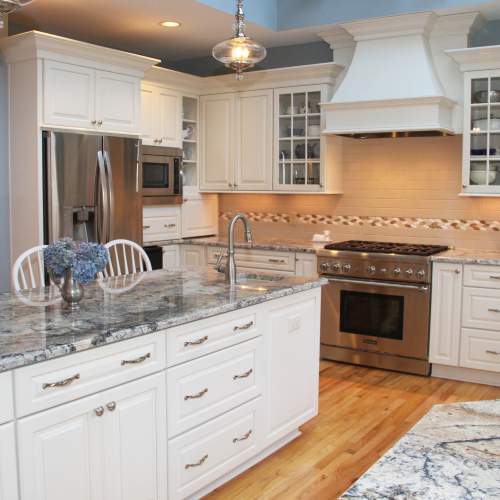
column 421, row 288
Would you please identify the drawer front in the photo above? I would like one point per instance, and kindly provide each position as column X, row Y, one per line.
column 7, row 405
column 161, row 228
column 57, row 381
column 207, row 387
column 480, row 349
column 202, row 337
column 481, row 308
column 203, row 455
column 257, row 259
column 482, row 276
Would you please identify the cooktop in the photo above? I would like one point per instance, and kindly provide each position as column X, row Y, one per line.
column 385, row 247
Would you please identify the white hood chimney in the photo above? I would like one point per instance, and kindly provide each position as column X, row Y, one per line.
column 399, row 79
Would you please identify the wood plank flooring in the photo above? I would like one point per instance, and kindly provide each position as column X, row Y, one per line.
column 363, row 412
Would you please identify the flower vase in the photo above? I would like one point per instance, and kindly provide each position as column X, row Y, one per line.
column 71, row 291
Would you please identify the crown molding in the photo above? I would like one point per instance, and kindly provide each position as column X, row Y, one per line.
column 476, row 58
column 175, row 79
column 338, row 38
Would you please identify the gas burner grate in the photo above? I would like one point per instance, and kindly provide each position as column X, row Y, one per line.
column 383, row 247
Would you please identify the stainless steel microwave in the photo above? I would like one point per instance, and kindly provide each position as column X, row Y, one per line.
column 161, row 173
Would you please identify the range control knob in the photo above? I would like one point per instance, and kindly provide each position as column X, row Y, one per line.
column 347, row 268
column 409, row 273
column 371, row 269
column 421, row 274
column 336, row 267
column 397, row 271
column 324, row 266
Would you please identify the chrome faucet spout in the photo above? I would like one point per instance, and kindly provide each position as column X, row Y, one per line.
column 231, row 263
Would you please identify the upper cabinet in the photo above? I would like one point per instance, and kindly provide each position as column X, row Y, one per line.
column 161, row 111
column 481, row 130
column 81, row 97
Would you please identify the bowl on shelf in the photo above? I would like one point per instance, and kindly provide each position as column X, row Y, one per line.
column 187, row 132
column 313, row 130
column 483, row 152
column 482, row 124
column 295, row 132
column 481, row 96
column 480, row 176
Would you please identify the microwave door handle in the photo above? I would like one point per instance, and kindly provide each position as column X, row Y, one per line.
column 111, row 204
column 103, row 210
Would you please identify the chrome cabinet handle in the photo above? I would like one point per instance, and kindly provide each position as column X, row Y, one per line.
column 146, row 227
column 243, row 327
column 135, row 361
column 94, row 122
column 61, row 383
column 277, row 261
column 243, row 375
column 494, row 277
column 196, row 396
column 196, row 342
column 111, row 406
column 493, row 352
column 201, row 461
column 244, row 437
column 169, row 225
column 493, row 310
column 99, row 123
column 99, row 411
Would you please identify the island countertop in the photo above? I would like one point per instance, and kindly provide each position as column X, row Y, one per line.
column 148, row 302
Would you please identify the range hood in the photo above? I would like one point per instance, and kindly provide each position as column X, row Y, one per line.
column 399, row 81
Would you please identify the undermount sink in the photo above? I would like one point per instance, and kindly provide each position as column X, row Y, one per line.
column 246, row 277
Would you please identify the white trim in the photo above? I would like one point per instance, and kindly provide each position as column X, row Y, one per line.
column 466, row 375
column 476, row 58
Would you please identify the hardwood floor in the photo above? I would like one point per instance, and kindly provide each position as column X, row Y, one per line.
column 363, row 412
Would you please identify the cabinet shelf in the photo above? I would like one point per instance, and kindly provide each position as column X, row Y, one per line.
column 189, row 141
column 189, row 162
column 187, row 120
column 304, row 115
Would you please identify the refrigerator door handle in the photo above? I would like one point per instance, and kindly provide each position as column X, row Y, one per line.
column 111, row 203
column 52, row 191
column 103, row 217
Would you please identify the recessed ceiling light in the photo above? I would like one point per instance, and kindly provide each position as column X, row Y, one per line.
column 170, row 24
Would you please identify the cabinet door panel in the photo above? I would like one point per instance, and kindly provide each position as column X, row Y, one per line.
column 306, row 264
column 193, row 255
column 255, row 130
column 445, row 314
column 217, row 142
column 8, row 464
column 148, row 115
column 169, row 118
column 60, row 453
column 117, row 102
column 136, row 442
column 171, row 257
column 200, row 216
column 293, row 341
column 68, row 95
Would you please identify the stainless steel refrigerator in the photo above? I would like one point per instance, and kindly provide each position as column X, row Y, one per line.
column 92, row 190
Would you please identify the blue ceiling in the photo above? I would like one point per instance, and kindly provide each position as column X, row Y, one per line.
column 291, row 14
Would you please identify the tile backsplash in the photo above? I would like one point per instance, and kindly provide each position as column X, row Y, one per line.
column 405, row 189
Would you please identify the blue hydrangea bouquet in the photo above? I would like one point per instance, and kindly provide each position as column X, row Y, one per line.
column 72, row 264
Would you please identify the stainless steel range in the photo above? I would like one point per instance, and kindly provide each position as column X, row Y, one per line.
column 376, row 307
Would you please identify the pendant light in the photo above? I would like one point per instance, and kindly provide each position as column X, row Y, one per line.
column 240, row 52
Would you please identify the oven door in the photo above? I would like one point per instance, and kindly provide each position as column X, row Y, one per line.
column 157, row 175
column 376, row 316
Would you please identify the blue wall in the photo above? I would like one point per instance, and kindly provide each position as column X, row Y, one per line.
column 4, row 184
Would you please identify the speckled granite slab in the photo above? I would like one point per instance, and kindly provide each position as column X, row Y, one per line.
column 469, row 257
column 452, row 453
column 278, row 245
column 123, row 308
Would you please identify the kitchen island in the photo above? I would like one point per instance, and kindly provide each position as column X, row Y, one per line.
column 162, row 385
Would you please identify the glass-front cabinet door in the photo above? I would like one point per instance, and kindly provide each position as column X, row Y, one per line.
column 298, row 164
column 481, row 169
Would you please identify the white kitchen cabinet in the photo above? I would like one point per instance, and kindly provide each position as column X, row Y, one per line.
column 306, row 264
column 8, row 463
column 193, row 255
column 218, row 142
column 171, row 257
column 161, row 116
column 85, row 98
column 292, row 338
column 446, row 310
column 200, row 215
column 110, row 445
column 253, row 168
column 161, row 223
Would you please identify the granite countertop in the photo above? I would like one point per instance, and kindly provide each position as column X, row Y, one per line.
column 125, row 307
column 463, row 256
column 277, row 245
column 453, row 452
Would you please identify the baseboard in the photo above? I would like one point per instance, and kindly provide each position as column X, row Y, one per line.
column 250, row 463
column 466, row 375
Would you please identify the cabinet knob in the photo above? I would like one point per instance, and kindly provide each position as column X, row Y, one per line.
column 99, row 411
column 457, row 271
column 99, row 123
column 111, row 406
column 94, row 122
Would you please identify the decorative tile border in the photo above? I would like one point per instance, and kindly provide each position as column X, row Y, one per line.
column 355, row 220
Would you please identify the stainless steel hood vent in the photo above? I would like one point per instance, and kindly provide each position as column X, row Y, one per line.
column 399, row 78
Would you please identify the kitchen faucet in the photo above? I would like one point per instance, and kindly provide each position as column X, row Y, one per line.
column 230, row 269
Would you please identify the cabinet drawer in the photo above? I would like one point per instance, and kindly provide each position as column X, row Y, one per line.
column 257, row 259
column 161, row 228
column 7, row 406
column 209, row 386
column 203, row 455
column 481, row 308
column 482, row 276
column 480, row 349
column 202, row 337
column 57, row 381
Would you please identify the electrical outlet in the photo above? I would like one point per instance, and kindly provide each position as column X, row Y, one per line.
column 294, row 324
